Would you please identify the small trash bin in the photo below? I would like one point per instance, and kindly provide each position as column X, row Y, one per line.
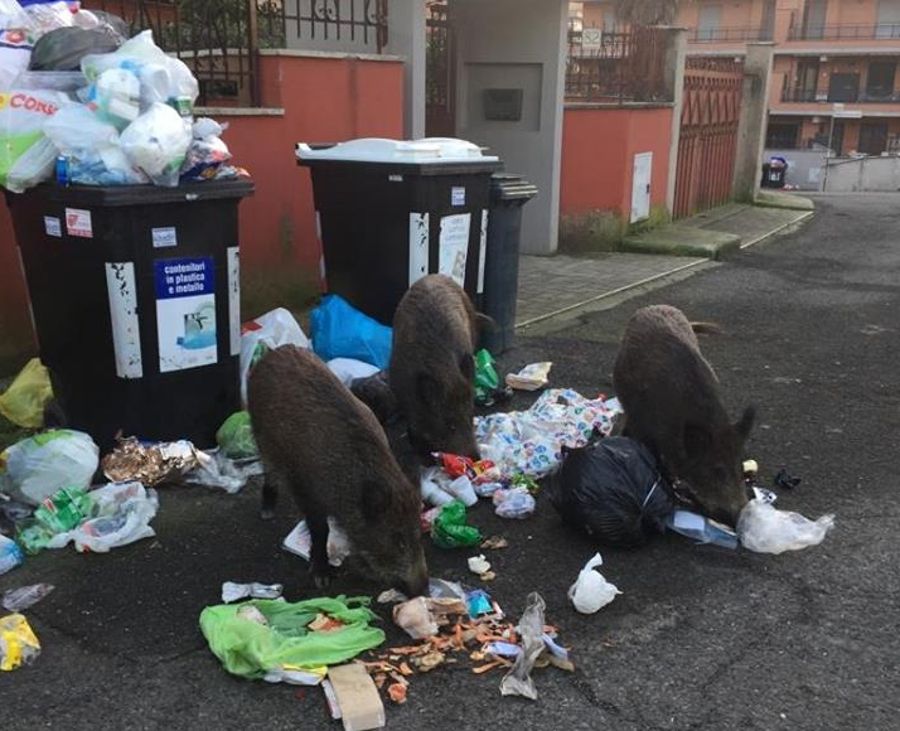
column 135, row 293
column 509, row 194
column 774, row 173
column 390, row 212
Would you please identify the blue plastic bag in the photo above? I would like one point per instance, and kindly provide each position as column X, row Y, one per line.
column 340, row 331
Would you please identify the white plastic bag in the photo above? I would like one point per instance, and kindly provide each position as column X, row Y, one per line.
column 591, row 591
column 765, row 529
column 267, row 332
column 156, row 142
column 531, row 630
column 39, row 466
column 27, row 157
column 12, row 15
column 163, row 79
column 348, row 370
column 16, row 45
column 120, row 514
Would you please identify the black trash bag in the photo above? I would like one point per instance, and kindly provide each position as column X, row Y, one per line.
column 62, row 49
column 375, row 392
column 613, row 490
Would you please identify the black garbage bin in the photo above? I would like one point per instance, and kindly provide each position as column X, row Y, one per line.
column 135, row 294
column 390, row 212
column 774, row 173
column 509, row 193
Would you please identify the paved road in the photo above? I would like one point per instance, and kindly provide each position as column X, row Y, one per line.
column 701, row 638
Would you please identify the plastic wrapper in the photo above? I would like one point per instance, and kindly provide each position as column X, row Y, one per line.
column 23, row 403
column 27, row 157
column 149, row 464
column 232, row 591
column 18, row 600
column 449, row 529
column 57, row 515
column 531, row 630
column 37, row 467
column 516, row 503
column 531, row 377
column 299, row 542
column 349, row 370
column 214, row 469
column 591, row 591
column 612, row 490
column 415, row 618
column 156, row 142
column 18, row 643
column 163, row 79
column 341, row 331
column 206, row 153
column 235, row 437
column 267, row 332
column 763, row 528
column 530, row 442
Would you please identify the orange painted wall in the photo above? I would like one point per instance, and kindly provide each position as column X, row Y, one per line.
column 324, row 100
column 598, row 151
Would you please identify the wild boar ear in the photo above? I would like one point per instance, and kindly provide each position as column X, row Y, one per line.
column 697, row 440
column 742, row 428
column 376, row 499
column 428, row 390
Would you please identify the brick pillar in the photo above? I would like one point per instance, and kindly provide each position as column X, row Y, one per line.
column 752, row 126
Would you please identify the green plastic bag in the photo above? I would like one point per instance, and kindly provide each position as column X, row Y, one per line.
column 250, row 650
column 450, row 530
column 24, row 401
column 486, row 379
column 235, row 437
column 67, row 509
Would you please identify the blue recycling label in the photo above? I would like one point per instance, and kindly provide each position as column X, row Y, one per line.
column 176, row 278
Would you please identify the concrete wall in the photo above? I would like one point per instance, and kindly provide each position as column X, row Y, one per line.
column 599, row 145
column 805, row 167
column 310, row 99
column 873, row 174
column 516, row 44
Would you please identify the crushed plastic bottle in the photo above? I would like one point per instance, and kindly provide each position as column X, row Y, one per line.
column 18, row 600
column 701, row 529
column 514, row 503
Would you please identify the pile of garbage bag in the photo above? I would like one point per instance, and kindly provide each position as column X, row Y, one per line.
column 82, row 103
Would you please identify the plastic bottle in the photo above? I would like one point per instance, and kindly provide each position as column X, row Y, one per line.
column 701, row 529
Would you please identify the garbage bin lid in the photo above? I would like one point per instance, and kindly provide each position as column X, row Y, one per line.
column 434, row 150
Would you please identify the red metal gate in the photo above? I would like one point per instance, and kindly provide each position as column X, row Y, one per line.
column 708, row 144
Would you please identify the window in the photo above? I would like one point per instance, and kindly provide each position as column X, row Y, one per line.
column 888, row 19
column 782, row 135
column 880, row 80
column 709, row 22
column 873, row 138
column 814, row 14
column 767, row 29
column 807, row 80
column 843, row 88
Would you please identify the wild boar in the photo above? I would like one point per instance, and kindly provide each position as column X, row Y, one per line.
column 327, row 448
column 432, row 368
column 672, row 403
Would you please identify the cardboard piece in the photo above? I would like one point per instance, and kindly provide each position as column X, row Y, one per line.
column 358, row 698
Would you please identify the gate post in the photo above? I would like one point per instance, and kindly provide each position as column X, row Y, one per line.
column 676, row 53
column 752, row 125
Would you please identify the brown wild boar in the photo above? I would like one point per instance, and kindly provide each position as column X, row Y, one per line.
column 432, row 367
column 326, row 447
column 670, row 395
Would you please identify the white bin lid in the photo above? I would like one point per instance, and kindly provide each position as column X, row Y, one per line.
column 375, row 149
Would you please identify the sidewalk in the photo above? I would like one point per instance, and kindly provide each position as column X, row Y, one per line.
column 559, row 286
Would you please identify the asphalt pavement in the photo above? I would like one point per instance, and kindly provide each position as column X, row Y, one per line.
column 701, row 637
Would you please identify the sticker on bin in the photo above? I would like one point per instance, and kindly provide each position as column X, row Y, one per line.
column 185, row 313
column 454, row 246
column 53, row 226
column 457, row 196
column 78, row 223
column 164, row 237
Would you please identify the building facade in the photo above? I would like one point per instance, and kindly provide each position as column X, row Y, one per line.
column 835, row 82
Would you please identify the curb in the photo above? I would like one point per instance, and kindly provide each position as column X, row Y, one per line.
column 649, row 280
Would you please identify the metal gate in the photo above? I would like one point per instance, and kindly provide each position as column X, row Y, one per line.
column 709, row 124
column 440, row 71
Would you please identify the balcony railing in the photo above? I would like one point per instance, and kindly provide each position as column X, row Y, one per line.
column 730, row 35
column 866, row 32
column 793, row 95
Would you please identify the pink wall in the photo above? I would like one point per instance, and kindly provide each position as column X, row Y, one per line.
column 324, row 100
column 599, row 144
